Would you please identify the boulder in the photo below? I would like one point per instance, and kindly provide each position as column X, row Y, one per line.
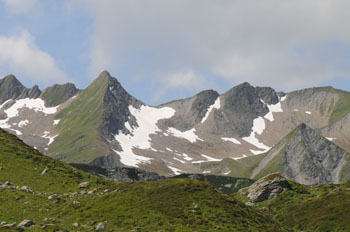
column 100, row 226
column 84, row 185
column 26, row 189
column 45, row 171
column 26, row 223
column 267, row 187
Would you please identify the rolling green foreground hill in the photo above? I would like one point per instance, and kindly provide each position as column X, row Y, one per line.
column 54, row 201
column 307, row 207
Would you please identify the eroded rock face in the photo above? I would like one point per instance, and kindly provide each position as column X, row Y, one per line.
column 311, row 159
column 26, row 223
column 267, row 187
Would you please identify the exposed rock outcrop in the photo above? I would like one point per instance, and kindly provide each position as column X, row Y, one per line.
column 267, row 187
column 307, row 158
column 122, row 174
column 11, row 88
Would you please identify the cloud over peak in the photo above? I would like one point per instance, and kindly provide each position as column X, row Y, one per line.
column 21, row 56
column 285, row 44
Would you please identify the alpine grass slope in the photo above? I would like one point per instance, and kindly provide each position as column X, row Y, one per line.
column 49, row 193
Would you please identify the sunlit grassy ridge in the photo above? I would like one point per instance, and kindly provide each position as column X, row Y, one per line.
column 79, row 139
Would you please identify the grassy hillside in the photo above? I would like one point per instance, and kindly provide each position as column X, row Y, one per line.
column 241, row 168
column 171, row 205
column 79, row 140
column 342, row 107
column 310, row 208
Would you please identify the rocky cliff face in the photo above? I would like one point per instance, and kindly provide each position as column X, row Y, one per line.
column 310, row 158
column 11, row 88
column 116, row 102
column 306, row 157
column 241, row 105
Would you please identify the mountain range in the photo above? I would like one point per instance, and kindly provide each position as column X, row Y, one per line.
column 245, row 132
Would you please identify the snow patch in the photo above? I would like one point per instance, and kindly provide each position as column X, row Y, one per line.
column 210, row 158
column 146, row 118
column 51, row 138
column 37, row 105
column 226, row 173
column 23, row 123
column 55, row 122
column 233, row 140
column 237, row 158
column 189, row 135
column 259, row 125
column 168, row 149
column 175, row 170
column 330, row 139
column 181, row 161
column 307, row 112
column 186, row 157
column 216, row 105
column 3, row 104
column 256, row 152
column 272, row 109
column 206, row 171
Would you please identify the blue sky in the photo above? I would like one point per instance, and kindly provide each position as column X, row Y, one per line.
column 164, row 50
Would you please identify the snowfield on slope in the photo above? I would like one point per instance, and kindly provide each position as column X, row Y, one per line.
column 38, row 105
column 216, row 105
column 259, row 126
column 189, row 135
column 233, row 140
column 146, row 118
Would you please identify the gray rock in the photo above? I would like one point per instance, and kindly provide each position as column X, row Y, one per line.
column 100, row 226
column 310, row 158
column 11, row 88
column 121, row 174
column 267, row 187
column 45, row 171
column 84, row 185
column 26, row 189
column 26, row 223
column 10, row 225
column 7, row 183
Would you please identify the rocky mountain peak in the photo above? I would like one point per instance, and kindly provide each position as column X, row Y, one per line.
column 11, row 88
column 310, row 158
column 243, row 103
column 57, row 94
column 202, row 102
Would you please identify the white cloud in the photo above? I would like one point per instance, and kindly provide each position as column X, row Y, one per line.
column 188, row 80
column 284, row 44
column 20, row 55
column 20, row 6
